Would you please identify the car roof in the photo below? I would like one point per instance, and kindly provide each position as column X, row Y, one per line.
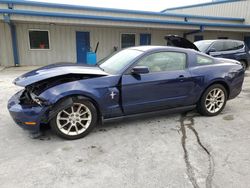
column 232, row 40
column 171, row 48
column 155, row 48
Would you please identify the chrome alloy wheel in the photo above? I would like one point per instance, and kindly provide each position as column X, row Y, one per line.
column 215, row 100
column 74, row 120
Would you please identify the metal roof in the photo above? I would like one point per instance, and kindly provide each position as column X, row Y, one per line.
column 200, row 4
column 117, row 19
column 112, row 10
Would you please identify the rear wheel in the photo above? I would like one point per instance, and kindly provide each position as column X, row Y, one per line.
column 75, row 121
column 213, row 100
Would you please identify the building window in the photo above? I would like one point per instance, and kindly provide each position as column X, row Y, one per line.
column 127, row 40
column 39, row 39
column 198, row 38
column 145, row 39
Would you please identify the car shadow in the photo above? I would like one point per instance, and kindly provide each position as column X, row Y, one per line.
column 46, row 134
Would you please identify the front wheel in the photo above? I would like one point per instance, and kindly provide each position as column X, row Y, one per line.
column 76, row 121
column 213, row 100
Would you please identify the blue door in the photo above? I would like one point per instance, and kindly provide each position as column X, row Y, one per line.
column 145, row 39
column 82, row 46
column 168, row 84
column 247, row 41
column 156, row 91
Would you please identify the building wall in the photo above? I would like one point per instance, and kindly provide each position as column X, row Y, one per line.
column 63, row 41
column 207, row 35
column 121, row 14
column 238, row 9
column 6, row 54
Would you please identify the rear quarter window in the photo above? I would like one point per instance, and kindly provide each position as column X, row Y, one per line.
column 203, row 60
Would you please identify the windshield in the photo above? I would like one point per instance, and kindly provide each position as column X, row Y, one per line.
column 118, row 61
column 203, row 45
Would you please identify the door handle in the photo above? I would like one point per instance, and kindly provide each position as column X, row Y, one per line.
column 181, row 78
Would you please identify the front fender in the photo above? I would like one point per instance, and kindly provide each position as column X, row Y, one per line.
column 54, row 94
column 97, row 91
column 61, row 105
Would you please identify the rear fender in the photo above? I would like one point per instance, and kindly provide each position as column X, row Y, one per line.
column 217, row 81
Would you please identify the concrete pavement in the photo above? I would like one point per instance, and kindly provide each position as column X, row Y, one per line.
column 174, row 150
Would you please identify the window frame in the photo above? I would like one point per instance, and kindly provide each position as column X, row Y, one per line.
column 126, row 34
column 128, row 71
column 43, row 49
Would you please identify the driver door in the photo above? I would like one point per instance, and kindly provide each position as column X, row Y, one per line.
column 168, row 83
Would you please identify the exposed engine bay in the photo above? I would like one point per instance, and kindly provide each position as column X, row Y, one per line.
column 30, row 95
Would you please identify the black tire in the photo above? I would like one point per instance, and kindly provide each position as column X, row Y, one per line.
column 243, row 64
column 55, row 123
column 201, row 106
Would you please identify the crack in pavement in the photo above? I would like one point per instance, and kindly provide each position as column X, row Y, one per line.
column 190, row 168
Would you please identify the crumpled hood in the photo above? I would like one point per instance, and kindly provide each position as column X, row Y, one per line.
column 54, row 70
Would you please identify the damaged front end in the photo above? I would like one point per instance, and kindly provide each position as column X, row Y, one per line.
column 25, row 112
column 29, row 110
column 29, row 98
column 31, row 94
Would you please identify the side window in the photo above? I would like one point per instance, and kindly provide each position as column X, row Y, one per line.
column 238, row 45
column 164, row 61
column 218, row 46
column 229, row 45
column 204, row 60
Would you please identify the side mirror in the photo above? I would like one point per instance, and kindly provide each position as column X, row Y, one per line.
column 211, row 50
column 140, row 70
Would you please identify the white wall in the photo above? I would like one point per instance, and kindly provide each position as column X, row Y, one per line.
column 63, row 42
column 239, row 9
column 6, row 54
column 215, row 34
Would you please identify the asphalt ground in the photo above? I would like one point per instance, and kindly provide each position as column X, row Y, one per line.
column 172, row 150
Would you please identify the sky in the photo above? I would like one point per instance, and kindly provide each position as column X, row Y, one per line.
column 148, row 5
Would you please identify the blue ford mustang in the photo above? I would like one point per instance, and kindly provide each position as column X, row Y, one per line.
column 73, row 98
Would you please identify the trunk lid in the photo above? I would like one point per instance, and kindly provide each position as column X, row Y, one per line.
column 177, row 41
